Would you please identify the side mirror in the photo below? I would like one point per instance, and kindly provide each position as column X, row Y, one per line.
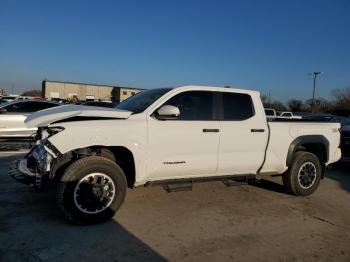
column 3, row 110
column 168, row 113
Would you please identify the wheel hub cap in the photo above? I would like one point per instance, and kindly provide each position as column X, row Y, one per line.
column 94, row 193
column 307, row 175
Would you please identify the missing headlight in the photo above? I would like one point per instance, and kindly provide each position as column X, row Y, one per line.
column 45, row 132
column 54, row 130
column 51, row 148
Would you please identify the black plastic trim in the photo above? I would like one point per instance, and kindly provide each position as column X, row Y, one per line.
column 308, row 139
column 198, row 179
column 211, row 130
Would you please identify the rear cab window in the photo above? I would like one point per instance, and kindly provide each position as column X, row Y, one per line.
column 236, row 106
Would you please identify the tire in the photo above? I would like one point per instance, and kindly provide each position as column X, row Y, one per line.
column 304, row 175
column 91, row 190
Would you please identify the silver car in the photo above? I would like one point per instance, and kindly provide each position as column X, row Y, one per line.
column 13, row 114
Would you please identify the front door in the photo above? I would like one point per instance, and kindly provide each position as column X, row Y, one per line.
column 187, row 146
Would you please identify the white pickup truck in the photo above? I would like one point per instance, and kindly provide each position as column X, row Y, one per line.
column 189, row 133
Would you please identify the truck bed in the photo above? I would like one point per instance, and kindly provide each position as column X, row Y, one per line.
column 282, row 133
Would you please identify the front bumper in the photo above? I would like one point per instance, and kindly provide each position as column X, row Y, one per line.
column 34, row 167
column 19, row 171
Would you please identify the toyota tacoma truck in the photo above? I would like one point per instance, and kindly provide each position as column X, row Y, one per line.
column 168, row 135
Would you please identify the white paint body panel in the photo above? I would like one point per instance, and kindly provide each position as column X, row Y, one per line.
column 155, row 143
column 242, row 151
column 183, row 142
column 282, row 134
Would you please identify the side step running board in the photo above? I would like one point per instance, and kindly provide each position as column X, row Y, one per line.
column 186, row 184
column 179, row 187
column 239, row 181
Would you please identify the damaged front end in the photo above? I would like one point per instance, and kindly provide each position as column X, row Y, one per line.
column 35, row 167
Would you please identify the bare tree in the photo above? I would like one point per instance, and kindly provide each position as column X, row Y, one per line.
column 264, row 100
column 321, row 105
column 31, row 93
column 277, row 105
column 342, row 98
column 295, row 105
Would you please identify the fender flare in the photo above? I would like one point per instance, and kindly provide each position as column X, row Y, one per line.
column 307, row 139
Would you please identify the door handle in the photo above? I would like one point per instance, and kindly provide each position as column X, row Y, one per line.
column 206, row 130
column 257, row 130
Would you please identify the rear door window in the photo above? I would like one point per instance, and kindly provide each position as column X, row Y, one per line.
column 237, row 106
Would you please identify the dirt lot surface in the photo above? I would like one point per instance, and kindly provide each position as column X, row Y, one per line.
column 210, row 223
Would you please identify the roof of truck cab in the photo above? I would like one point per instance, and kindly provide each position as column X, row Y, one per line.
column 217, row 88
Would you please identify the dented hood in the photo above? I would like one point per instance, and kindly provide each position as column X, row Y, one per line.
column 48, row 116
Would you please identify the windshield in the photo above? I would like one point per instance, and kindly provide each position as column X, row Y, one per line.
column 139, row 102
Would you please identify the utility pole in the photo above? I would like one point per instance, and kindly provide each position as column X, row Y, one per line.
column 315, row 74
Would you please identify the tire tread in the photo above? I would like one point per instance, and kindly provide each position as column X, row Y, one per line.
column 289, row 178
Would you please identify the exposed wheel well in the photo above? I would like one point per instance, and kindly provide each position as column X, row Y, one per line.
column 315, row 144
column 121, row 155
column 125, row 159
column 318, row 149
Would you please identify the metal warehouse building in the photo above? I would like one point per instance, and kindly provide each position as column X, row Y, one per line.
column 84, row 91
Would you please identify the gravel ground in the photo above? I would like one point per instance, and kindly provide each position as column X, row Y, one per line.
column 211, row 222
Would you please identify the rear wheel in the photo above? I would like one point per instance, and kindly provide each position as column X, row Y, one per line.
column 304, row 176
column 91, row 190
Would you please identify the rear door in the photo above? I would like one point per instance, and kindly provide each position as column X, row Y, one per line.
column 243, row 135
column 188, row 146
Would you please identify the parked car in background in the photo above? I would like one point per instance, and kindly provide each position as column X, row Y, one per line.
column 344, row 121
column 26, row 97
column 344, row 131
column 3, row 101
column 288, row 115
column 13, row 114
column 9, row 98
column 270, row 113
column 345, row 143
column 98, row 103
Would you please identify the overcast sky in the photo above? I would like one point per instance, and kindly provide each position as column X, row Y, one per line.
column 265, row 45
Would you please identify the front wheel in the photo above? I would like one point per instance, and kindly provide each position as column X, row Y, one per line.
column 304, row 176
column 91, row 190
